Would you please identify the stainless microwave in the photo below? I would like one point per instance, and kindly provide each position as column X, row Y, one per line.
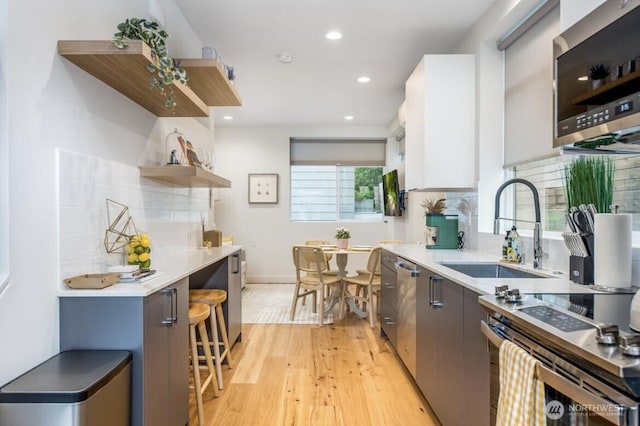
column 597, row 80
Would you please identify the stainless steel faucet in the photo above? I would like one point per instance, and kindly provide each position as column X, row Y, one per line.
column 537, row 230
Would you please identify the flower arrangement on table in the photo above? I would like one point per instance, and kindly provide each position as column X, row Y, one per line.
column 342, row 237
column 342, row 233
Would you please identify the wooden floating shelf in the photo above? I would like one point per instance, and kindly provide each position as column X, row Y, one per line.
column 212, row 86
column 126, row 70
column 187, row 176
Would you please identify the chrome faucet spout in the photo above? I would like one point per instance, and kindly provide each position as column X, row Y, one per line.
column 537, row 232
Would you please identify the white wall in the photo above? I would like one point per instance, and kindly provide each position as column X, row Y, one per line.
column 571, row 11
column 53, row 104
column 4, row 150
column 265, row 230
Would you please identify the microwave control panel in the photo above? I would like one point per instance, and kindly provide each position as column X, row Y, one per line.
column 600, row 115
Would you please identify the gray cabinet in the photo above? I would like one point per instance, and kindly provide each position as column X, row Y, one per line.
column 451, row 365
column 475, row 364
column 439, row 319
column 155, row 329
column 389, row 298
column 225, row 274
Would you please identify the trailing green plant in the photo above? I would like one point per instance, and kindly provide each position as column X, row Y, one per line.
column 589, row 181
column 165, row 70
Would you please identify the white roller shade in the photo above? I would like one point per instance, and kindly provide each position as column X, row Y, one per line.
column 529, row 93
column 346, row 152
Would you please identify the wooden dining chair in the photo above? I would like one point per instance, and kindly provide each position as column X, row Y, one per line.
column 311, row 278
column 329, row 256
column 360, row 289
column 369, row 282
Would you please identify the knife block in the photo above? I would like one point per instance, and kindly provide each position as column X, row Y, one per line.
column 581, row 269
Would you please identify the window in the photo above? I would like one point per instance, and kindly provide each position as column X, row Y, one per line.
column 528, row 92
column 336, row 193
column 547, row 176
column 336, row 179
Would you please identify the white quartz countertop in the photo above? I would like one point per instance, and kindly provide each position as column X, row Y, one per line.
column 556, row 282
column 171, row 263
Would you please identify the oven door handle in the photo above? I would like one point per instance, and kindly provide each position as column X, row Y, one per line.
column 607, row 409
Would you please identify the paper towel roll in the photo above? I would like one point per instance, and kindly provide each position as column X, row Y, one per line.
column 613, row 250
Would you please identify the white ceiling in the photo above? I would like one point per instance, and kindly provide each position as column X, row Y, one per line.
column 383, row 39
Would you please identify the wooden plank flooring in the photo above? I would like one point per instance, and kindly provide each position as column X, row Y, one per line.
column 341, row 374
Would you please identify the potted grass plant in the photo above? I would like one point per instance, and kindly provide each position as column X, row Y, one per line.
column 589, row 181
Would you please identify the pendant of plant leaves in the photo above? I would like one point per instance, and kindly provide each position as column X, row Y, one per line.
column 165, row 70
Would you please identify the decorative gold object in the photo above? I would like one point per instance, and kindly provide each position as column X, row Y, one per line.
column 121, row 227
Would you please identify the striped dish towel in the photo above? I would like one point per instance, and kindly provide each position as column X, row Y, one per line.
column 521, row 400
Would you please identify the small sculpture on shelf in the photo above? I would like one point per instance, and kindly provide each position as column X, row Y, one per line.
column 173, row 148
column 598, row 73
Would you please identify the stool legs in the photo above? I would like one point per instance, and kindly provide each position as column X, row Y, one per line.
column 216, row 312
column 211, row 378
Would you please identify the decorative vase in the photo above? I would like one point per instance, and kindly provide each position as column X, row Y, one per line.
column 138, row 251
column 597, row 83
column 342, row 243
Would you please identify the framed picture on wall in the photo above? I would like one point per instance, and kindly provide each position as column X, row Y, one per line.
column 263, row 188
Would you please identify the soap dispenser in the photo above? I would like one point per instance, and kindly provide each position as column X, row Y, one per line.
column 515, row 253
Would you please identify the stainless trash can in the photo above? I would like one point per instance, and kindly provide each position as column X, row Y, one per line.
column 73, row 388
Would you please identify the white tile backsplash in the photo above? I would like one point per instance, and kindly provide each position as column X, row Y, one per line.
column 171, row 215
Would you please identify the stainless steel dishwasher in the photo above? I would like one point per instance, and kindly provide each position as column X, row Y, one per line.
column 407, row 277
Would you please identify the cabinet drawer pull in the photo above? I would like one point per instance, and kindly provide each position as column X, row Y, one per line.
column 433, row 299
column 172, row 318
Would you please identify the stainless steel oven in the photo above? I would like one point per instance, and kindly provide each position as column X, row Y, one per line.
column 589, row 377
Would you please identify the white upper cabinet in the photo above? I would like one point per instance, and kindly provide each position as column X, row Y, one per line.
column 440, row 124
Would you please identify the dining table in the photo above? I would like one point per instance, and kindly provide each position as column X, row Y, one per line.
column 342, row 257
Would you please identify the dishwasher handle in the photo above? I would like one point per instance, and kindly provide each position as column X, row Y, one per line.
column 408, row 268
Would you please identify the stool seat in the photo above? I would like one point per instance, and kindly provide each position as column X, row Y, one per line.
column 210, row 297
column 198, row 312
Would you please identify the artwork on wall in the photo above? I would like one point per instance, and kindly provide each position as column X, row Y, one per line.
column 263, row 188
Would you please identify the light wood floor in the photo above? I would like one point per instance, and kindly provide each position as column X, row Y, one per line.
column 341, row 374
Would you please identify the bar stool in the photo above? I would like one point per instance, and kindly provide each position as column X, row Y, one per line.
column 198, row 314
column 215, row 298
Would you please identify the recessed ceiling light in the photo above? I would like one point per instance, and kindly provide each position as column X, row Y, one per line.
column 333, row 35
column 349, row 117
column 228, row 117
column 364, row 79
column 583, row 78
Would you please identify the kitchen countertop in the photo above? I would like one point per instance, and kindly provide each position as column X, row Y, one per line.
column 431, row 259
column 171, row 263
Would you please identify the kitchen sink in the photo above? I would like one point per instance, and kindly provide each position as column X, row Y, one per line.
column 490, row 270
